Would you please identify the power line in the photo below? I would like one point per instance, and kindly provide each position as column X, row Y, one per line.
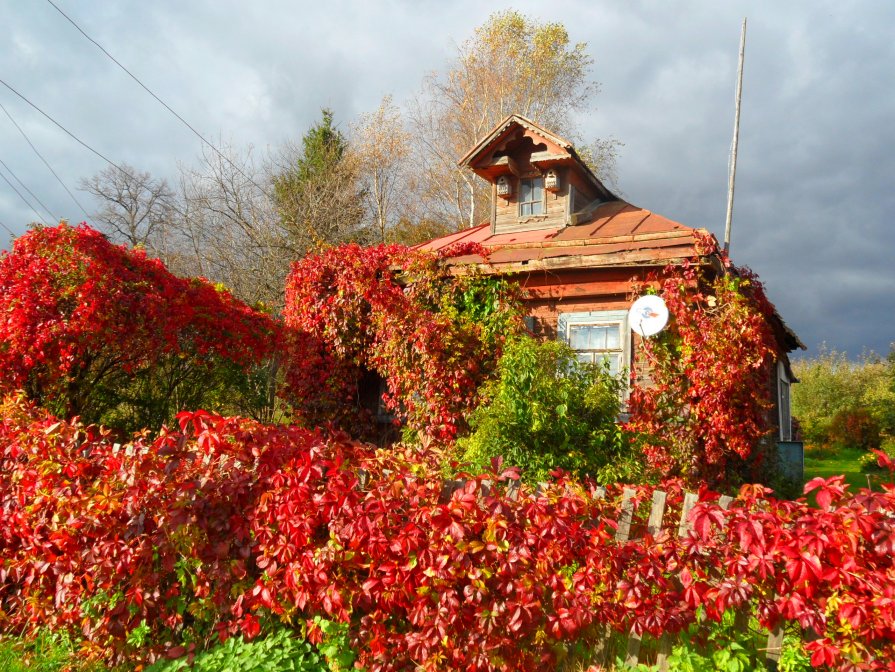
column 162, row 102
column 25, row 187
column 46, row 163
column 75, row 138
column 65, row 130
column 8, row 230
column 24, row 200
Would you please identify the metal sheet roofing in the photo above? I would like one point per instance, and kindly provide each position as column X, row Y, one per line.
column 617, row 231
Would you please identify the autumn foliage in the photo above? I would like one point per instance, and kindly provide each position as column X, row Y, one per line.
column 431, row 336
column 219, row 526
column 98, row 330
column 706, row 411
column 228, row 524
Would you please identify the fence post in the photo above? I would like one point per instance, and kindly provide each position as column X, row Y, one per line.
column 601, row 649
column 624, row 520
column 653, row 525
column 775, row 644
column 664, row 650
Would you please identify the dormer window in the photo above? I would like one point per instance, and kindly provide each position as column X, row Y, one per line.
column 531, row 196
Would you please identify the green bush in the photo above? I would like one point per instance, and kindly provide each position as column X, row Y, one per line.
column 546, row 410
column 831, row 384
column 280, row 652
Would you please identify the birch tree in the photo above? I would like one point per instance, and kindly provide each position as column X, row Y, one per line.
column 381, row 144
column 511, row 64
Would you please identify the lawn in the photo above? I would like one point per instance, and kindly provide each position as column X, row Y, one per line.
column 845, row 461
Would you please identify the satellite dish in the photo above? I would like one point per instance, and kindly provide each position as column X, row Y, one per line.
column 648, row 315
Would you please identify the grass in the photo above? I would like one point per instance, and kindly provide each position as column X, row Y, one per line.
column 47, row 652
column 845, row 462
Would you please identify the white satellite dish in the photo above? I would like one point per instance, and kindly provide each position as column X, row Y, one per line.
column 648, row 315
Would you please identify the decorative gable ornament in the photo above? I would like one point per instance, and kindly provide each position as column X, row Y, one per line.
column 551, row 181
column 504, row 186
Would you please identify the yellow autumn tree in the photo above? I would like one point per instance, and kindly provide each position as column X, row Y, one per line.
column 511, row 64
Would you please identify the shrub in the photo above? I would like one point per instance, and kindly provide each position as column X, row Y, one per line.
column 855, row 428
column 432, row 336
column 229, row 526
column 546, row 411
column 281, row 651
column 831, row 384
column 97, row 330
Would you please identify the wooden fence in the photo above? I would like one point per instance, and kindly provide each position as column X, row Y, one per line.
column 623, row 534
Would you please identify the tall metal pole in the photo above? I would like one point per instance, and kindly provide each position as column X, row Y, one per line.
column 732, row 169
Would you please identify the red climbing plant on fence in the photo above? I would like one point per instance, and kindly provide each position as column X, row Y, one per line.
column 229, row 524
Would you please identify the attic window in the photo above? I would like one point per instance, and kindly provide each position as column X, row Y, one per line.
column 531, row 197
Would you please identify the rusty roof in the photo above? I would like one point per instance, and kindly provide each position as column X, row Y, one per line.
column 617, row 233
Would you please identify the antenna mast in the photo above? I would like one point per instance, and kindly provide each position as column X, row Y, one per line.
column 732, row 168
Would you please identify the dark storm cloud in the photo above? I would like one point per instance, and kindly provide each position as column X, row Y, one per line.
column 814, row 195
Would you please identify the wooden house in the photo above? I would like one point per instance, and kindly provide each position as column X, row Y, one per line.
column 577, row 248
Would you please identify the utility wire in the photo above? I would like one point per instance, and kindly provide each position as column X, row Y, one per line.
column 78, row 140
column 162, row 102
column 25, row 187
column 25, row 200
column 8, row 230
column 46, row 163
column 65, row 130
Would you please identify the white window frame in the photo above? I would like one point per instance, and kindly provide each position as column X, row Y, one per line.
column 784, row 402
column 542, row 203
column 602, row 318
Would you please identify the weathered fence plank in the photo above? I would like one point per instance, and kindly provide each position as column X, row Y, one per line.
column 653, row 526
column 623, row 532
column 665, row 641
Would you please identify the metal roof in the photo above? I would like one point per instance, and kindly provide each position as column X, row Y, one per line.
column 617, row 233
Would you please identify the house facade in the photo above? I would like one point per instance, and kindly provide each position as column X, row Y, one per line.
column 578, row 250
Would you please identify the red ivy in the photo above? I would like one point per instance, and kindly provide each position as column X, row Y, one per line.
column 399, row 313
column 76, row 311
column 228, row 524
column 705, row 410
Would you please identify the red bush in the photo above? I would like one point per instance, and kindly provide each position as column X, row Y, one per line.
column 219, row 528
column 855, row 428
column 81, row 319
column 431, row 335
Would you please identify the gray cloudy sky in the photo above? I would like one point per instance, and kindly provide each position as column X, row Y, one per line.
column 817, row 142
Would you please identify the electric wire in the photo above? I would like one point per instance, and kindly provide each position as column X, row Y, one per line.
column 46, row 163
column 65, row 130
column 25, row 187
column 78, row 140
column 8, row 230
column 24, row 200
column 160, row 101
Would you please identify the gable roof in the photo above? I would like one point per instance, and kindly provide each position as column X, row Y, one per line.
column 502, row 129
column 516, row 121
